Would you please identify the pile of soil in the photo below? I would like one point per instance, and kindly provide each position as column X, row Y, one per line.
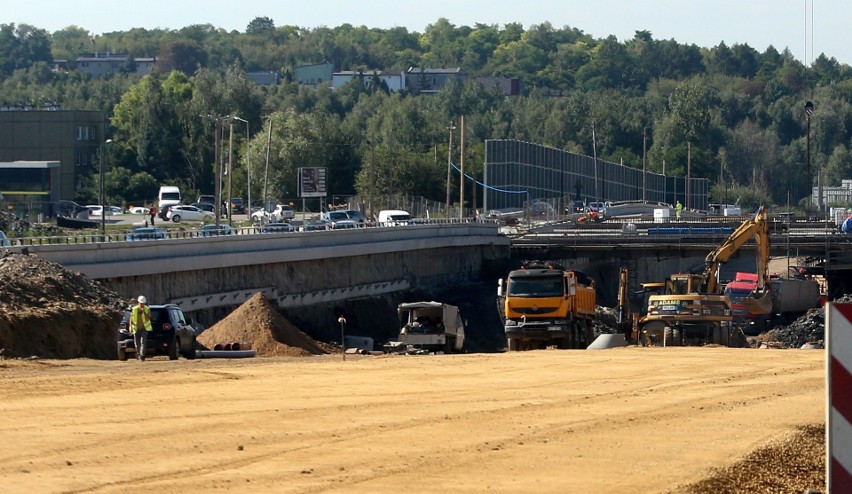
column 48, row 311
column 258, row 323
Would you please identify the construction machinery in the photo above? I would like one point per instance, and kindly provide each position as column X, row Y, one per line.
column 428, row 327
column 544, row 304
column 690, row 308
column 791, row 298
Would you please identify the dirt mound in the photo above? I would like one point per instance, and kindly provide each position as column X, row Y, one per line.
column 50, row 312
column 259, row 323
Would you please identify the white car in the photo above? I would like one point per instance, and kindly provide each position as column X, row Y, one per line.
column 280, row 214
column 139, row 210
column 343, row 225
column 97, row 210
column 183, row 212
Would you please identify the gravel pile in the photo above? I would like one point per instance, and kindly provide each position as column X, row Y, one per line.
column 808, row 329
column 794, row 464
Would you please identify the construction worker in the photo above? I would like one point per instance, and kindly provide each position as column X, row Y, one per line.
column 678, row 210
column 140, row 325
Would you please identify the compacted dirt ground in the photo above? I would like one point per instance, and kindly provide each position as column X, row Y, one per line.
column 620, row 420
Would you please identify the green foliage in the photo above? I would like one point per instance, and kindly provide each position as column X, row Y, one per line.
column 739, row 112
column 745, row 197
column 21, row 47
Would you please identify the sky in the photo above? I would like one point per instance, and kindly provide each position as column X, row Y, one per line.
column 806, row 27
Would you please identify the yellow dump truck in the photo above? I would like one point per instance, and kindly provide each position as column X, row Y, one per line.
column 544, row 304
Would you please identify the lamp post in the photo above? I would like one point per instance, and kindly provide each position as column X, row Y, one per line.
column 809, row 110
column 101, row 188
column 451, row 128
column 248, row 169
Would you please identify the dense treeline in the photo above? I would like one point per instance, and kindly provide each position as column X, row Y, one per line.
column 736, row 112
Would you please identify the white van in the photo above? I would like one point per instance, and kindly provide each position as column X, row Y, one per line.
column 393, row 217
column 169, row 195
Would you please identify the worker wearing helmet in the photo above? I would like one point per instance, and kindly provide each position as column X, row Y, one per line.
column 140, row 325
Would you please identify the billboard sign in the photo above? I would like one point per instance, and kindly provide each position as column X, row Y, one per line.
column 312, row 182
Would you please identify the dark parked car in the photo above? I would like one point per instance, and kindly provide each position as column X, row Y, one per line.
column 210, row 208
column 171, row 334
column 577, row 206
column 237, row 206
column 70, row 209
column 356, row 216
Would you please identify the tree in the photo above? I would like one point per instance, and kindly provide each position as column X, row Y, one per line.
column 70, row 42
column 182, row 55
column 22, row 46
column 751, row 156
column 260, row 25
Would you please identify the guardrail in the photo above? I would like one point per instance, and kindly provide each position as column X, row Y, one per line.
column 182, row 233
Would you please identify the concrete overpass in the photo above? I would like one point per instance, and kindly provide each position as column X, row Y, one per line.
column 293, row 269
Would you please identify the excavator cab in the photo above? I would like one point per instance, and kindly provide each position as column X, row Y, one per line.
column 680, row 284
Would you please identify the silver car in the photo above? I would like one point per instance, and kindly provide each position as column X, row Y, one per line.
column 182, row 212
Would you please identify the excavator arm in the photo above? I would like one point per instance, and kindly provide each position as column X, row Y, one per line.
column 756, row 227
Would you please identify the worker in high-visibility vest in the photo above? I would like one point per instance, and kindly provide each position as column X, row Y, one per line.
column 140, row 325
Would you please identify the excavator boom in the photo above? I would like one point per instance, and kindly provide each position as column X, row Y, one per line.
column 760, row 300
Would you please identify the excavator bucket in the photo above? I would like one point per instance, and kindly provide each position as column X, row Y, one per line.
column 758, row 302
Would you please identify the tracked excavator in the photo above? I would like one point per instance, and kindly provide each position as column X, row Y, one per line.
column 690, row 308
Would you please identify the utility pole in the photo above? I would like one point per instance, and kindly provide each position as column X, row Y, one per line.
column 595, row 157
column 688, row 174
column 230, row 171
column 461, row 175
column 218, row 172
column 248, row 169
column 101, row 187
column 451, row 128
column 644, row 165
column 372, row 185
column 266, row 171
column 809, row 110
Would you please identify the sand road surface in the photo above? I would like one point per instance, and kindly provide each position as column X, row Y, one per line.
column 620, row 420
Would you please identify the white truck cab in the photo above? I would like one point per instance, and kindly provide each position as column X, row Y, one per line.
column 169, row 195
column 393, row 217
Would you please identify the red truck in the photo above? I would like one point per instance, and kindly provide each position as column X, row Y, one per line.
column 790, row 299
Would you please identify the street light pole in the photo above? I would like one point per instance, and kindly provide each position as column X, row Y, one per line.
column 248, row 169
column 451, row 128
column 809, row 110
column 102, row 198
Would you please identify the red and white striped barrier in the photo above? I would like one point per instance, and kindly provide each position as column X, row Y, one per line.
column 839, row 389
